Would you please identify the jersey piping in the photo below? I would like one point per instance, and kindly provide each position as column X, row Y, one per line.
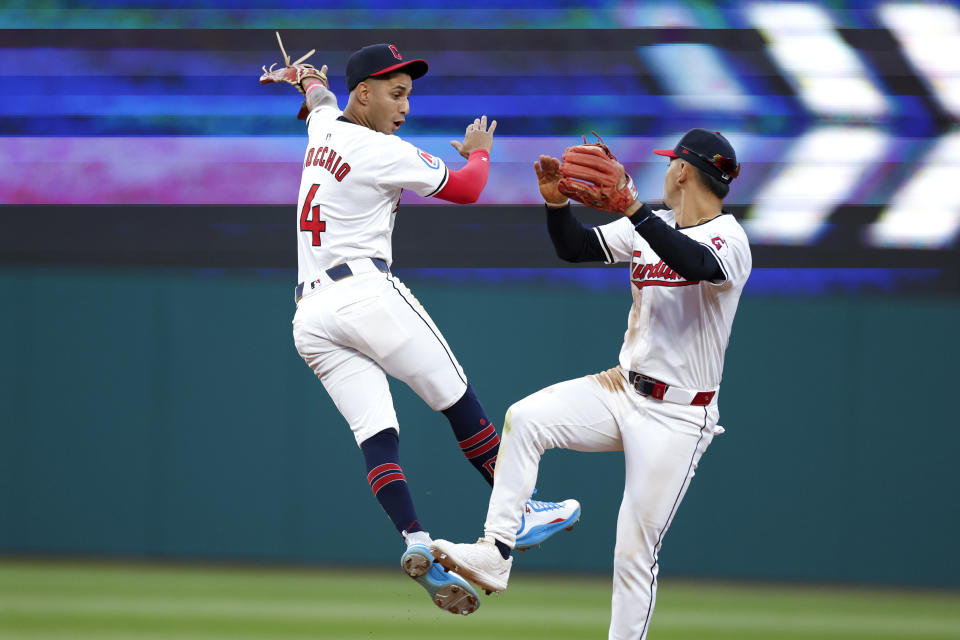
column 673, row 511
column 443, row 183
column 453, row 362
column 608, row 255
column 723, row 267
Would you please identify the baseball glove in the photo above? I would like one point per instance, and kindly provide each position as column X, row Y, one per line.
column 294, row 74
column 592, row 175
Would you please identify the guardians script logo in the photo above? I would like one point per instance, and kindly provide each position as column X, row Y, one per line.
column 655, row 275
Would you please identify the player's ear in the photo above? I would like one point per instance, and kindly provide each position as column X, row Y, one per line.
column 362, row 91
column 683, row 172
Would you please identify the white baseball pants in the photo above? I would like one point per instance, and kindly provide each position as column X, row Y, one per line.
column 355, row 331
column 662, row 444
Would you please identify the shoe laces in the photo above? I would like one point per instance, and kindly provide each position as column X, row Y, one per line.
column 537, row 505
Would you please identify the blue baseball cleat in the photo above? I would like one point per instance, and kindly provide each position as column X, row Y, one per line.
column 540, row 520
column 447, row 589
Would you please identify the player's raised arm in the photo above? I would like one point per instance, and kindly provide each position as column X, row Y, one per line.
column 316, row 92
column 682, row 253
column 465, row 185
column 572, row 241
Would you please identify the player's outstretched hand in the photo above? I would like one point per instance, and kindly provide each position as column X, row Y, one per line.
column 477, row 137
column 548, row 177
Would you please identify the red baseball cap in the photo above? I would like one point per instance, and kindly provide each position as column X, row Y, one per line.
column 380, row 59
column 707, row 150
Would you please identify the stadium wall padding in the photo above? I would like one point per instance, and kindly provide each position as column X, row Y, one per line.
column 166, row 414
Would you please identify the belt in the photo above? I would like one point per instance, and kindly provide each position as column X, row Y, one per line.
column 647, row 386
column 341, row 271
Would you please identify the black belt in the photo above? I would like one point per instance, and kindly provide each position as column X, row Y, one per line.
column 340, row 272
column 647, row 386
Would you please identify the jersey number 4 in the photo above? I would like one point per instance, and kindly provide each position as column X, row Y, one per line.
column 314, row 226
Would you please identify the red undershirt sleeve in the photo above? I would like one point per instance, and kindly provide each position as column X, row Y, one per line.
column 464, row 185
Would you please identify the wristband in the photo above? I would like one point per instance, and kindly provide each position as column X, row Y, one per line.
column 642, row 215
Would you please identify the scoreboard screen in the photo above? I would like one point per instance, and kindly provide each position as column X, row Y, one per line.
column 844, row 115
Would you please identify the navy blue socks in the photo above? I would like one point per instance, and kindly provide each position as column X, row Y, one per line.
column 475, row 433
column 381, row 453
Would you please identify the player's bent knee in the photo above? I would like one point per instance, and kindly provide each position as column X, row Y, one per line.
column 519, row 419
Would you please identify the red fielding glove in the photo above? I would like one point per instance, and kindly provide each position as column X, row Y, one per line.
column 294, row 74
column 592, row 175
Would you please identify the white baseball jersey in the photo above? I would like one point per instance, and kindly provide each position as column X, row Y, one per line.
column 678, row 330
column 350, row 191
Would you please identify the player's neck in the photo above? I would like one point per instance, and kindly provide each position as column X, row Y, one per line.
column 697, row 208
column 356, row 116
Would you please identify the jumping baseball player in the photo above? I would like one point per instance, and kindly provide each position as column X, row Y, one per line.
column 356, row 322
column 688, row 262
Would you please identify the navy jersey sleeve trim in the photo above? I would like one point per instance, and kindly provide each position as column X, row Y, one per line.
column 572, row 241
column 686, row 256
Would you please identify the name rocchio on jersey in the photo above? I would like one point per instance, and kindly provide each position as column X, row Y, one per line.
column 328, row 159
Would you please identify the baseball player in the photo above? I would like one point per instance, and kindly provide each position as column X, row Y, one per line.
column 356, row 322
column 688, row 262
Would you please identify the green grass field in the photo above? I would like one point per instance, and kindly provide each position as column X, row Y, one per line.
column 40, row 600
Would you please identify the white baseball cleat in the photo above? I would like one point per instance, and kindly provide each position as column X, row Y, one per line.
column 480, row 563
column 540, row 520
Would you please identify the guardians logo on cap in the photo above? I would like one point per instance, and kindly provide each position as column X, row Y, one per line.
column 706, row 150
column 380, row 59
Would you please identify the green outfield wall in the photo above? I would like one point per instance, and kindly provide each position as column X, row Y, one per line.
column 166, row 414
